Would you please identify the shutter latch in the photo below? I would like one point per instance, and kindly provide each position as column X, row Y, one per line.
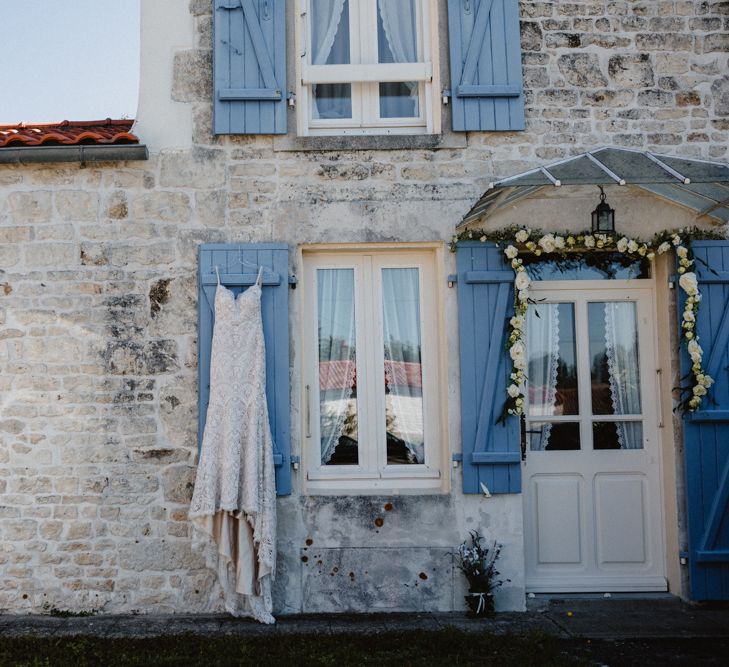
column 446, row 95
column 452, row 279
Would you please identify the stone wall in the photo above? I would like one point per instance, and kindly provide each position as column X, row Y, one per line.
column 98, row 306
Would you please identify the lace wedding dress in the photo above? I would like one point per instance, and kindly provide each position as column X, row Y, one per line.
column 233, row 505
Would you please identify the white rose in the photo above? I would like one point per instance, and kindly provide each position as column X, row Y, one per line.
column 513, row 390
column 688, row 316
column 664, row 247
column 547, row 243
column 694, row 402
column 511, row 252
column 682, row 251
column 559, row 242
column 517, row 322
column 622, row 244
column 676, row 240
column 699, row 390
column 632, row 246
column 694, row 348
column 589, row 241
column 522, row 281
column 523, row 295
column 522, row 236
column 688, row 283
column 707, row 381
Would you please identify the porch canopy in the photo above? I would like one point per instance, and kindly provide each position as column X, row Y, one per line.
column 700, row 185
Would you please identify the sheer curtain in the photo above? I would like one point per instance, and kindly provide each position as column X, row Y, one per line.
column 403, row 370
column 622, row 356
column 397, row 21
column 330, row 100
column 543, row 355
column 337, row 356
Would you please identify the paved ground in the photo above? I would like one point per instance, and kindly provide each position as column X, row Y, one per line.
column 613, row 619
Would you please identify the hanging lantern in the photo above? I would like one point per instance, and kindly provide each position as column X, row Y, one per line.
column 603, row 217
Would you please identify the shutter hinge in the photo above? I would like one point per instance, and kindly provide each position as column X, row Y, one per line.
column 295, row 460
column 683, row 557
column 452, row 279
column 291, row 97
column 445, row 95
column 672, row 282
column 293, row 281
column 457, row 458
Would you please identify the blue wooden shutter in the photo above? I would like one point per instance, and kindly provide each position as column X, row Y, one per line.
column 249, row 65
column 485, row 53
column 275, row 310
column 706, row 431
column 491, row 450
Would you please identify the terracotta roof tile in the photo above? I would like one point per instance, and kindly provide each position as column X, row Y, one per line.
column 68, row 133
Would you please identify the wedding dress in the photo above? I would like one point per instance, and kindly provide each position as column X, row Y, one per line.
column 234, row 502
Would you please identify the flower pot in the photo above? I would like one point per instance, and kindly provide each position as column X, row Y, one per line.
column 480, row 604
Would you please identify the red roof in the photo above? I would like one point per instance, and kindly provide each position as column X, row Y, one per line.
column 68, row 133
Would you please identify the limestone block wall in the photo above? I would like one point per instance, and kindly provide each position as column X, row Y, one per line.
column 98, row 401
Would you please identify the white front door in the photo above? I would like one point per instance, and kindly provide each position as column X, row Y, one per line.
column 592, row 501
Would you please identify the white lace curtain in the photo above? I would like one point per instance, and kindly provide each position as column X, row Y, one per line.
column 622, row 356
column 337, row 362
column 543, row 338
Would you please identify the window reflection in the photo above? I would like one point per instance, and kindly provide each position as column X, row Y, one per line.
column 337, row 367
column 403, row 366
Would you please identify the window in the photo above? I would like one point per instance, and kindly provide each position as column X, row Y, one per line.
column 371, row 389
column 367, row 67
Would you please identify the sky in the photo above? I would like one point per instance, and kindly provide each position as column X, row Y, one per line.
column 68, row 60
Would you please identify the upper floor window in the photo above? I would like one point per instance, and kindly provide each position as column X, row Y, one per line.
column 367, row 67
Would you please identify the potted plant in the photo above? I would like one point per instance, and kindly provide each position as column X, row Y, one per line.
column 478, row 563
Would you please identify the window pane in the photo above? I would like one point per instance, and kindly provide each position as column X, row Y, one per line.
column 403, row 370
column 617, row 435
column 552, row 363
column 397, row 36
column 543, row 436
column 399, row 100
column 330, row 32
column 332, row 100
column 337, row 367
column 330, row 46
column 614, row 362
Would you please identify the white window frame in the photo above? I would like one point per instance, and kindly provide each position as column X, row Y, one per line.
column 365, row 74
column 372, row 474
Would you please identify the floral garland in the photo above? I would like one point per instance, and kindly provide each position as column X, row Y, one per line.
column 535, row 242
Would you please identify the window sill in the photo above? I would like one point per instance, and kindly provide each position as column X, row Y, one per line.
column 371, row 142
column 369, row 486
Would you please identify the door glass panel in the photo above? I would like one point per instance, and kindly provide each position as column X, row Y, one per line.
column 403, row 366
column 587, row 266
column 617, row 435
column 337, row 367
column 545, row 436
column 552, row 360
column 614, row 361
column 330, row 46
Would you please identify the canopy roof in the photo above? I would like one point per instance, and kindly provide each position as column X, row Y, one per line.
column 700, row 185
